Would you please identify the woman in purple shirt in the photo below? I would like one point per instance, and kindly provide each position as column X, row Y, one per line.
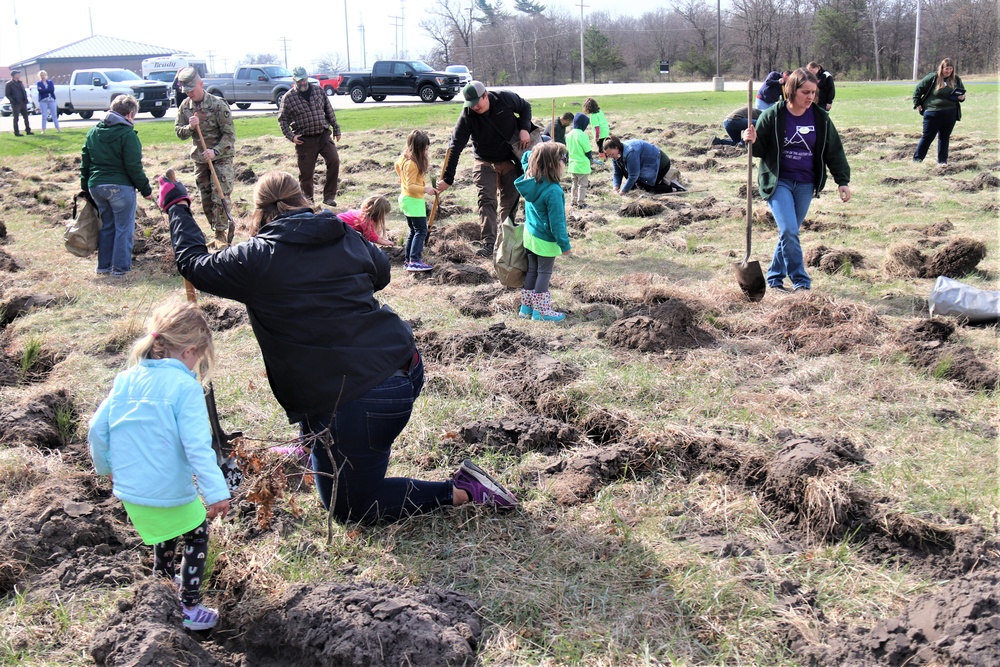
column 796, row 143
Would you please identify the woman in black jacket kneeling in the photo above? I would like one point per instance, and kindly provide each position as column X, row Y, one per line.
column 343, row 366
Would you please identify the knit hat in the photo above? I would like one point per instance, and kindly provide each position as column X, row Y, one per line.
column 581, row 121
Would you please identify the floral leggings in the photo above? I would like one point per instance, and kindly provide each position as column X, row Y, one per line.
column 192, row 563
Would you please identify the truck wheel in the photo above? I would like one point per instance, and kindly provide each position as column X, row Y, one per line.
column 378, row 98
column 86, row 115
column 243, row 105
column 277, row 98
column 330, row 91
column 447, row 98
column 427, row 94
column 358, row 94
column 158, row 113
column 217, row 93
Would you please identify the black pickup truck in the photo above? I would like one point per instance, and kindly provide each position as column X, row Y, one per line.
column 399, row 77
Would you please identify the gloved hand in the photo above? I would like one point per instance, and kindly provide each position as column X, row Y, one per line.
column 171, row 193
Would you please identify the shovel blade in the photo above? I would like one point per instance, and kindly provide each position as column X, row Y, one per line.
column 751, row 280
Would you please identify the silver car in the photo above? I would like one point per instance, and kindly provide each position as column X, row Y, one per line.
column 6, row 111
column 463, row 73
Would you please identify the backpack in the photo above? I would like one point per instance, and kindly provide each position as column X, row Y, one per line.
column 509, row 258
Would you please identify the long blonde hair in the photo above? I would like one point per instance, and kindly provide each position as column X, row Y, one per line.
column 276, row 192
column 375, row 209
column 941, row 80
column 545, row 162
column 173, row 327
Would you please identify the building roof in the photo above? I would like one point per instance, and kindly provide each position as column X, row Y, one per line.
column 100, row 46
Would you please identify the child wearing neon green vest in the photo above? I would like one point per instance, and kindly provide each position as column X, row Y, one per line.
column 412, row 169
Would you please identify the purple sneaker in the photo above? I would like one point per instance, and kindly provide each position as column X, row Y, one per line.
column 418, row 267
column 483, row 489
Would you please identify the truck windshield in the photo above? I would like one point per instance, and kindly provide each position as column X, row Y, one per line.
column 123, row 75
column 420, row 66
column 275, row 72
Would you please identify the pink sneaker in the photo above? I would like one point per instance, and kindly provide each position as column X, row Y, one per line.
column 295, row 452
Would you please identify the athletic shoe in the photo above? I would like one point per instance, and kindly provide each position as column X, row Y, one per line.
column 716, row 141
column 677, row 187
column 406, row 265
column 482, row 489
column 200, row 617
column 780, row 288
column 417, row 267
column 800, row 288
column 332, row 203
column 483, row 252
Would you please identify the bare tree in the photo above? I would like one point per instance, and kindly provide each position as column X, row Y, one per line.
column 329, row 63
column 260, row 59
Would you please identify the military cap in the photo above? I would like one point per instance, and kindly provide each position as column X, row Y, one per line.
column 187, row 79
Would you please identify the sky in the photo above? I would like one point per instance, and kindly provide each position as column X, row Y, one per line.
column 226, row 31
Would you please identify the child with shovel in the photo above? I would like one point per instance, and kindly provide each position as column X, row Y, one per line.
column 151, row 436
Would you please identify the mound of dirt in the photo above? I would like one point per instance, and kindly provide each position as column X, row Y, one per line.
column 957, row 624
column 460, row 231
column 527, row 378
column 655, row 231
column 520, row 434
column 614, row 293
column 938, row 228
column 224, row 315
column 21, row 304
column 832, row 260
column 246, row 175
column 819, row 325
column 496, row 340
column 576, row 479
column 479, row 302
column 448, row 210
column 927, row 346
column 8, row 263
column 665, row 325
column 955, row 259
column 361, row 624
column 3, row 230
column 641, row 208
column 364, row 164
column 462, row 274
column 451, row 250
column 903, row 260
column 985, row 180
column 36, row 419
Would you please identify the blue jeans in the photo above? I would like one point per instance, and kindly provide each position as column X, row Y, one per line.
column 937, row 123
column 415, row 239
column 116, row 204
column 734, row 128
column 789, row 205
column 360, row 436
column 49, row 109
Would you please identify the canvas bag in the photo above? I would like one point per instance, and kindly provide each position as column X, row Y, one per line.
column 509, row 258
column 82, row 232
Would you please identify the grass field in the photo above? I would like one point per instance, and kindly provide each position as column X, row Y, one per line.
column 663, row 520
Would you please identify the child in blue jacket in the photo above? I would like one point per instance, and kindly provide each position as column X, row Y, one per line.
column 151, row 436
column 545, row 236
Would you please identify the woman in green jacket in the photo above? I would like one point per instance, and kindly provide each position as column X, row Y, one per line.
column 796, row 143
column 937, row 98
column 111, row 171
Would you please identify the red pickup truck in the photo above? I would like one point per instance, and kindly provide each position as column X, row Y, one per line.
column 328, row 83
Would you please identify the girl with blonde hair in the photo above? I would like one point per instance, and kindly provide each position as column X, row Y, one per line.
column 412, row 168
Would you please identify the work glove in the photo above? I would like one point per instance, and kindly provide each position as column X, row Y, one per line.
column 172, row 193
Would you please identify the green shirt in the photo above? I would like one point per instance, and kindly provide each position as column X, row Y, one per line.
column 598, row 121
column 578, row 145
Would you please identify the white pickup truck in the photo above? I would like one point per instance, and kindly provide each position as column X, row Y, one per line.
column 91, row 90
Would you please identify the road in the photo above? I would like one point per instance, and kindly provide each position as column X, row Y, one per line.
column 579, row 90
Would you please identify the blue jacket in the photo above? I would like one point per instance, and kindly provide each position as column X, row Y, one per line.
column 771, row 90
column 640, row 160
column 46, row 89
column 544, row 208
column 152, row 434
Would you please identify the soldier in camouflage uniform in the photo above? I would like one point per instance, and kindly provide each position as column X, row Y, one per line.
column 216, row 121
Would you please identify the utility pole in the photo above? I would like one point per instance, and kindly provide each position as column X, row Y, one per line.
column 402, row 27
column 916, row 46
column 347, row 38
column 364, row 61
column 211, row 61
column 472, row 36
column 583, row 70
column 284, row 43
column 397, row 21
column 718, row 83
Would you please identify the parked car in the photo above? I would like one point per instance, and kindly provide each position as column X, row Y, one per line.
column 5, row 109
column 400, row 77
column 91, row 90
column 464, row 75
column 328, row 83
column 251, row 83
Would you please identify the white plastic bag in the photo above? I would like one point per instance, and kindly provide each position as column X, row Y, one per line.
column 967, row 303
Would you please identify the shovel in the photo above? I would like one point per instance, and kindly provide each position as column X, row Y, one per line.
column 218, row 188
column 222, row 442
column 748, row 274
column 434, row 207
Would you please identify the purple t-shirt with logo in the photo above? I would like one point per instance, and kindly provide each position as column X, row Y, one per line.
column 797, row 150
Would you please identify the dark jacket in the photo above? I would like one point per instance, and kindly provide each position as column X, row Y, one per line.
column 827, row 88
column 15, row 93
column 308, row 282
column 770, row 91
column 491, row 132
column 639, row 161
column 931, row 98
column 112, row 155
column 829, row 152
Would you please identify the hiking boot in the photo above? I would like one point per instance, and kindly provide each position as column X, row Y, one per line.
column 200, row 617
column 716, row 141
column 28, row 132
column 418, row 267
column 543, row 310
column 482, row 489
column 677, row 187
column 484, row 252
column 332, row 203
column 527, row 301
column 780, row 288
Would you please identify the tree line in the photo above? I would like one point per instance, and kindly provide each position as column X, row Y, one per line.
column 530, row 43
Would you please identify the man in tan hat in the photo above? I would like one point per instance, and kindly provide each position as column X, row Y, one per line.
column 306, row 117
column 492, row 120
column 213, row 116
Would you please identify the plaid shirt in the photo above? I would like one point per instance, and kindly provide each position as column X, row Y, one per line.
column 308, row 117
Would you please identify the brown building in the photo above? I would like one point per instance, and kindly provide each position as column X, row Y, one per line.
column 93, row 52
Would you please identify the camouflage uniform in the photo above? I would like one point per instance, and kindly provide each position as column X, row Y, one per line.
column 216, row 122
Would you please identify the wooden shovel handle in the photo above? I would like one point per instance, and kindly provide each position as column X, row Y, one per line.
column 749, row 172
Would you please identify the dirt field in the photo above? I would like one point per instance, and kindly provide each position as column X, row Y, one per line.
column 810, row 480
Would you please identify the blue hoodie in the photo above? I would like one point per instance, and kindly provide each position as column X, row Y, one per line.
column 152, row 433
column 544, row 208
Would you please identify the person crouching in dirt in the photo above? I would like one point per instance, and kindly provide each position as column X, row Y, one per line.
column 639, row 164
column 151, row 436
column 796, row 143
column 344, row 367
